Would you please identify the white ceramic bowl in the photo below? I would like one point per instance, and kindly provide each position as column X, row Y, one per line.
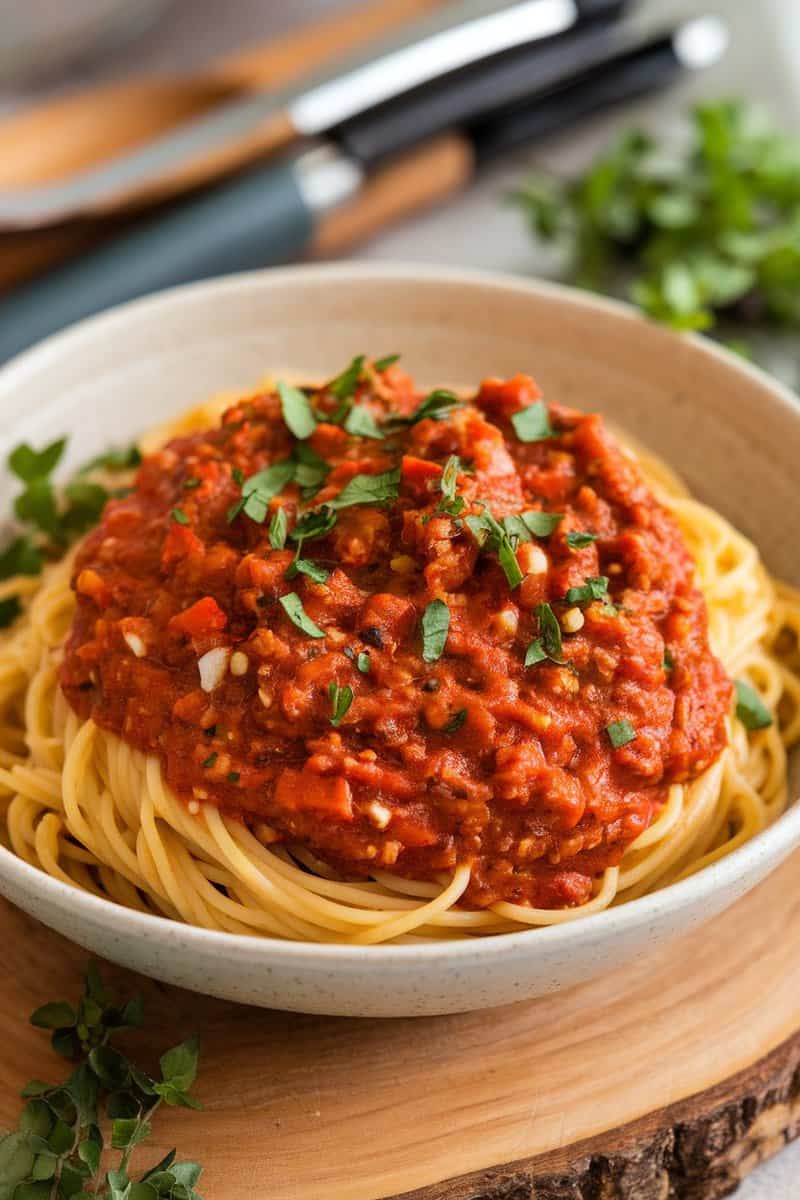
column 732, row 432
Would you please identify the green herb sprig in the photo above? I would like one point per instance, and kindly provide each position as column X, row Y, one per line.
column 106, row 1105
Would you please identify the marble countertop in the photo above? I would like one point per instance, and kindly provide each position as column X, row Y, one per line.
column 763, row 63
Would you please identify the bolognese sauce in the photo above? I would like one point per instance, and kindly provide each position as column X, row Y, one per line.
column 405, row 630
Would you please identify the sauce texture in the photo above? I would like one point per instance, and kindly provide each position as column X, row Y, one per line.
column 438, row 671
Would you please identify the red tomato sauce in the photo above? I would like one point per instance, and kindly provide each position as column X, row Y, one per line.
column 469, row 756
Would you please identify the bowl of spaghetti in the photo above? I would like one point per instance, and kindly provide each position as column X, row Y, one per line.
column 387, row 641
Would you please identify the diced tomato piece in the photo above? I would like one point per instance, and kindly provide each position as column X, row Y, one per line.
column 204, row 616
column 179, row 543
column 299, row 791
column 418, row 474
column 502, row 397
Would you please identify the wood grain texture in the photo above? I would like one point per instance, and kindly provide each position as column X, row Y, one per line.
column 668, row 1083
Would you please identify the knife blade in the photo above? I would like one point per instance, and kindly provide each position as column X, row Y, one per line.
column 461, row 33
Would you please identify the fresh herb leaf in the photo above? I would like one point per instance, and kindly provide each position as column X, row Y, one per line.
column 314, row 524
column 341, row 698
column 435, row 627
column 594, row 588
column 437, row 405
column 37, row 505
column 532, row 424
column 620, row 733
column 233, row 777
column 368, row 489
column 310, row 470
column 191, row 483
column 750, row 708
column 292, row 605
column 237, row 475
column 363, row 663
column 576, row 539
column 124, row 459
column 29, row 464
column 361, row 423
column 669, row 662
column 179, row 516
column 212, row 758
column 456, row 721
column 550, row 632
column 450, row 503
column 297, row 411
column 344, row 385
column 86, row 502
column 304, row 566
column 524, row 526
column 270, row 481
column 278, row 527
column 535, row 653
column 20, row 557
column 491, row 533
column 381, row 364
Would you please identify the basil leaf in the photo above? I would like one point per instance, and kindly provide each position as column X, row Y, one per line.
column 28, row 464
column 595, row 588
column 381, row 364
column 314, row 524
column 361, row 423
column 620, row 733
column 576, row 539
column 179, row 516
column 344, row 385
column 456, row 721
column 292, row 605
column 532, row 424
column 271, row 480
column 363, row 663
column 310, row 470
column 530, row 524
column 297, row 411
column 750, row 708
column 535, row 653
column 508, row 561
column 341, row 698
column 304, row 566
column 550, row 632
column 20, row 557
column 277, row 529
column 436, row 406
column 435, row 627
column 368, row 489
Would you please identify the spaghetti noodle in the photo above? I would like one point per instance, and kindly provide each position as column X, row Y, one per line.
column 92, row 808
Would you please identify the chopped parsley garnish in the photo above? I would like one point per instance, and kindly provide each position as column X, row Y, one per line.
column 212, row 758
column 233, row 777
column 292, row 605
column 179, row 516
column 524, row 526
column 669, row 661
column 750, row 708
column 297, row 411
column 29, row 465
column 368, row 489
column 86, row 504
column 532, row 424
column 304, row 566
column 361, row 423
column 314, row 524
column 259, row 489
column 450, row 503
column 20, row 557
column 310, row 471
column 595, row 588
column 37, row 505
column 362, row 662
column 344, row 385
column 278, row 527
column 550, row 631
column 437, row 405
column 455, row 722
column 576, row 539
column 435, row 627
column 10, row 609
column 237, row 475
column 492, row 534
column 620, row 733
column 341, row 698
column 381, row 364
column 191, row 483
column 124, row 459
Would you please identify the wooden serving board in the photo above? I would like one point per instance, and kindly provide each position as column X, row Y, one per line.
column 669, row 1081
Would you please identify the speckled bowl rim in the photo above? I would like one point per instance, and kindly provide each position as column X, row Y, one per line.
column 772, row 845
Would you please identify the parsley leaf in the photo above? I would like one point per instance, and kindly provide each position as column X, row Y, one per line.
column 361, row 423
column 179, row 516
column 576, row 539
column 292, row 605
column 277, row 529
column 37, row 504
column 550, row 633
column 124, row 459
column 368, row 489
column 20, row 557
column 750, row 708
column 297, row 411
column 344, row 385
column 456, row 721
column 381, row 364
column 524, row 526
column 437, row 405
column 363, row 663
column 28, row 464
column 314, row 524
column 85, row 507
column 341, row 698
column 532, row 424
column 435, row 627
column 620, row 733
column 304, row 566
column 594, row 588
column 492, row 534
column 535, row 653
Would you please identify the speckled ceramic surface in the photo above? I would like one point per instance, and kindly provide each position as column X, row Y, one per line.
column 732, row 432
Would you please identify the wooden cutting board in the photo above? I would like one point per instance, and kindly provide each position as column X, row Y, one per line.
column 668, row 1081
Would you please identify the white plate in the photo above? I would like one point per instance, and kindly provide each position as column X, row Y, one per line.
column 732, row 432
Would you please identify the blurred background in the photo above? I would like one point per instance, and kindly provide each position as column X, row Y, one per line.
column 700, row 226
